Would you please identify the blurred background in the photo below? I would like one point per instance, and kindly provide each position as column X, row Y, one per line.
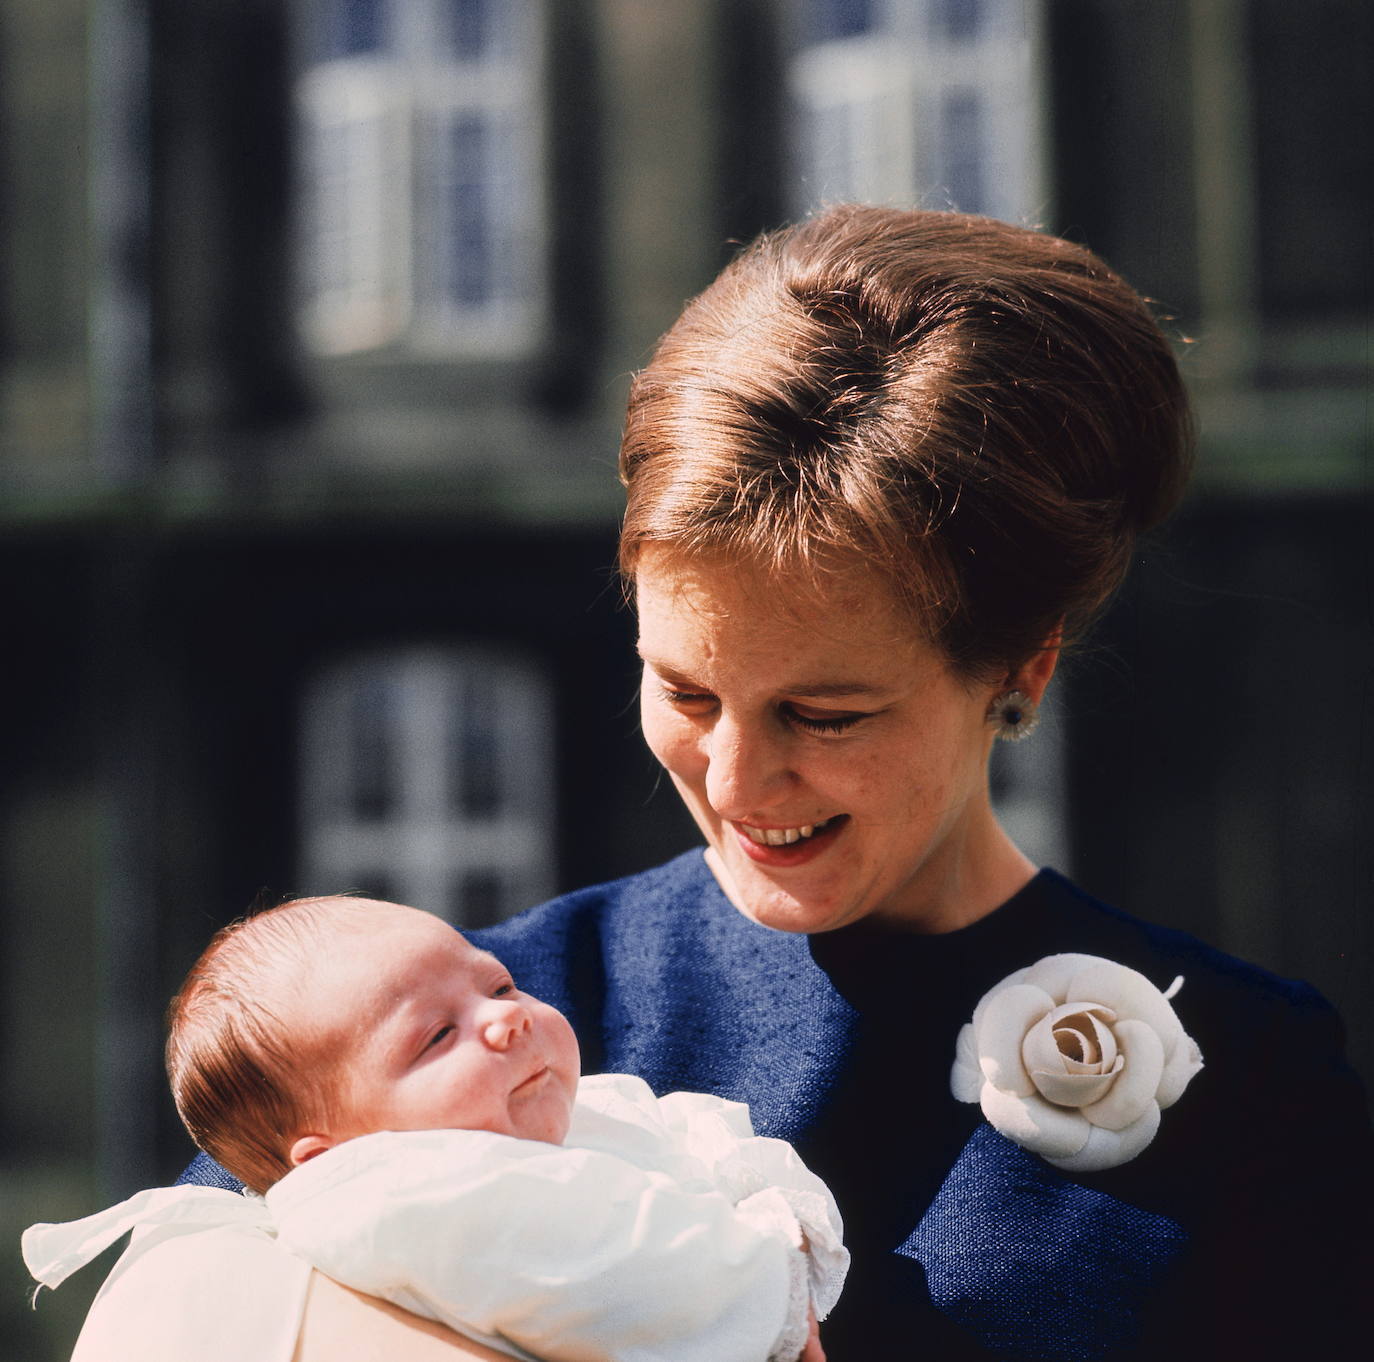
column 316, row 322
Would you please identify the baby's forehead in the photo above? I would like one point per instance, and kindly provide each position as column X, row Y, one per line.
column 360, row 921
column 394, row 947
column 365, row 969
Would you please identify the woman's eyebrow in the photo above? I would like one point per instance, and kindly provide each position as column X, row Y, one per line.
column 661, row 666
column 834, row 690
column 812, row 690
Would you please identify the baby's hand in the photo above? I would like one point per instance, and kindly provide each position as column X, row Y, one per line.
column 813, row 1352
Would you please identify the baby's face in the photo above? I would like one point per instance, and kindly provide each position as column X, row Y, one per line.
column 433, row 1034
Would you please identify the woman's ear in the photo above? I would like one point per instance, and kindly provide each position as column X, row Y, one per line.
column 1033, row 675
column 307, row 1147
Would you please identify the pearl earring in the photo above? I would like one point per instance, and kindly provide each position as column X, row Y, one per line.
column 1014, row 714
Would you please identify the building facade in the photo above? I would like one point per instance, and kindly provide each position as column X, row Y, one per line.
column 315, row 330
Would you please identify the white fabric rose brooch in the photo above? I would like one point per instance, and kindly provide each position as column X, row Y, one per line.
column 1073, row 1058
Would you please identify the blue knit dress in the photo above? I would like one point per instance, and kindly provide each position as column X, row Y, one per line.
column 1241, row 1231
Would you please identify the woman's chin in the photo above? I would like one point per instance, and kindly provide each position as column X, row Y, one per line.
column 788, row 915
column 799, row 908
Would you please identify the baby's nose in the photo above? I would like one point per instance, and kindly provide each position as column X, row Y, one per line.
column 510, row 1021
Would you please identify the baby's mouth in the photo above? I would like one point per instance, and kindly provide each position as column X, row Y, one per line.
column 533, row 1080
column 780, row 837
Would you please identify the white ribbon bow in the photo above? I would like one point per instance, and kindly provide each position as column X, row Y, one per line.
column 53, row 1252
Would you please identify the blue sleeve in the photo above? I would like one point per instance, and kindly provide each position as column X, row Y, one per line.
column 203, row 1171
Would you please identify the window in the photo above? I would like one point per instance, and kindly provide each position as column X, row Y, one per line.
column 930, row 102
column 827, row 20
column 422, row 169
column 427, row 778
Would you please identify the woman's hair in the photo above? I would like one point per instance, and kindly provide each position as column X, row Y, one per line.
column 245, row 1083
column 985, row 415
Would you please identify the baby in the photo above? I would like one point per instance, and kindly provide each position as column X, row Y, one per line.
column 415, row 1128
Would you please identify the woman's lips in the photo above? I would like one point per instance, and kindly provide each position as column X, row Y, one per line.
column 796, row 852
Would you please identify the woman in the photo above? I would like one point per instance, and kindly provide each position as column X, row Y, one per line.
column 878, row 475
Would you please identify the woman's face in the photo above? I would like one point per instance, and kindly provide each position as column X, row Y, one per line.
column 834, row 762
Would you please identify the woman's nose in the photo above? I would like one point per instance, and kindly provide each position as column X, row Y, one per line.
column 504, row 1023
column 747, row 770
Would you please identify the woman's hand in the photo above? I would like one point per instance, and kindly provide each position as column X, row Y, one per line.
column 813, row 1352
column 341, row 1325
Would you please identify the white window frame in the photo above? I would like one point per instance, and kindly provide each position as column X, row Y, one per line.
column 376, row 231
column 425, row 844
column 889, row 85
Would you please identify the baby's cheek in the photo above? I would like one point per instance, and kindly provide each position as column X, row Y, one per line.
column 567, row 1050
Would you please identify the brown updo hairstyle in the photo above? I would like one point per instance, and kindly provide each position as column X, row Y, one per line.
column 985, row 415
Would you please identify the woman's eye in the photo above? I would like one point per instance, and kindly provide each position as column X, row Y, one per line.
column 683, row 699
column 829, row 723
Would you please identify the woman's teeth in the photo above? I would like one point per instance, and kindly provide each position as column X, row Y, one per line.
column 779, row 837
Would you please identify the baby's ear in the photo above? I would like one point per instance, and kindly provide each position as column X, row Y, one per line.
column 307, row 1147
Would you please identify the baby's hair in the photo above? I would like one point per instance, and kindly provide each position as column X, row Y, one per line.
column 244, row 1085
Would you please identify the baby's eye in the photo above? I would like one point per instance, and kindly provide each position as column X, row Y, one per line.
column 501, row 990
column 439, row 1035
